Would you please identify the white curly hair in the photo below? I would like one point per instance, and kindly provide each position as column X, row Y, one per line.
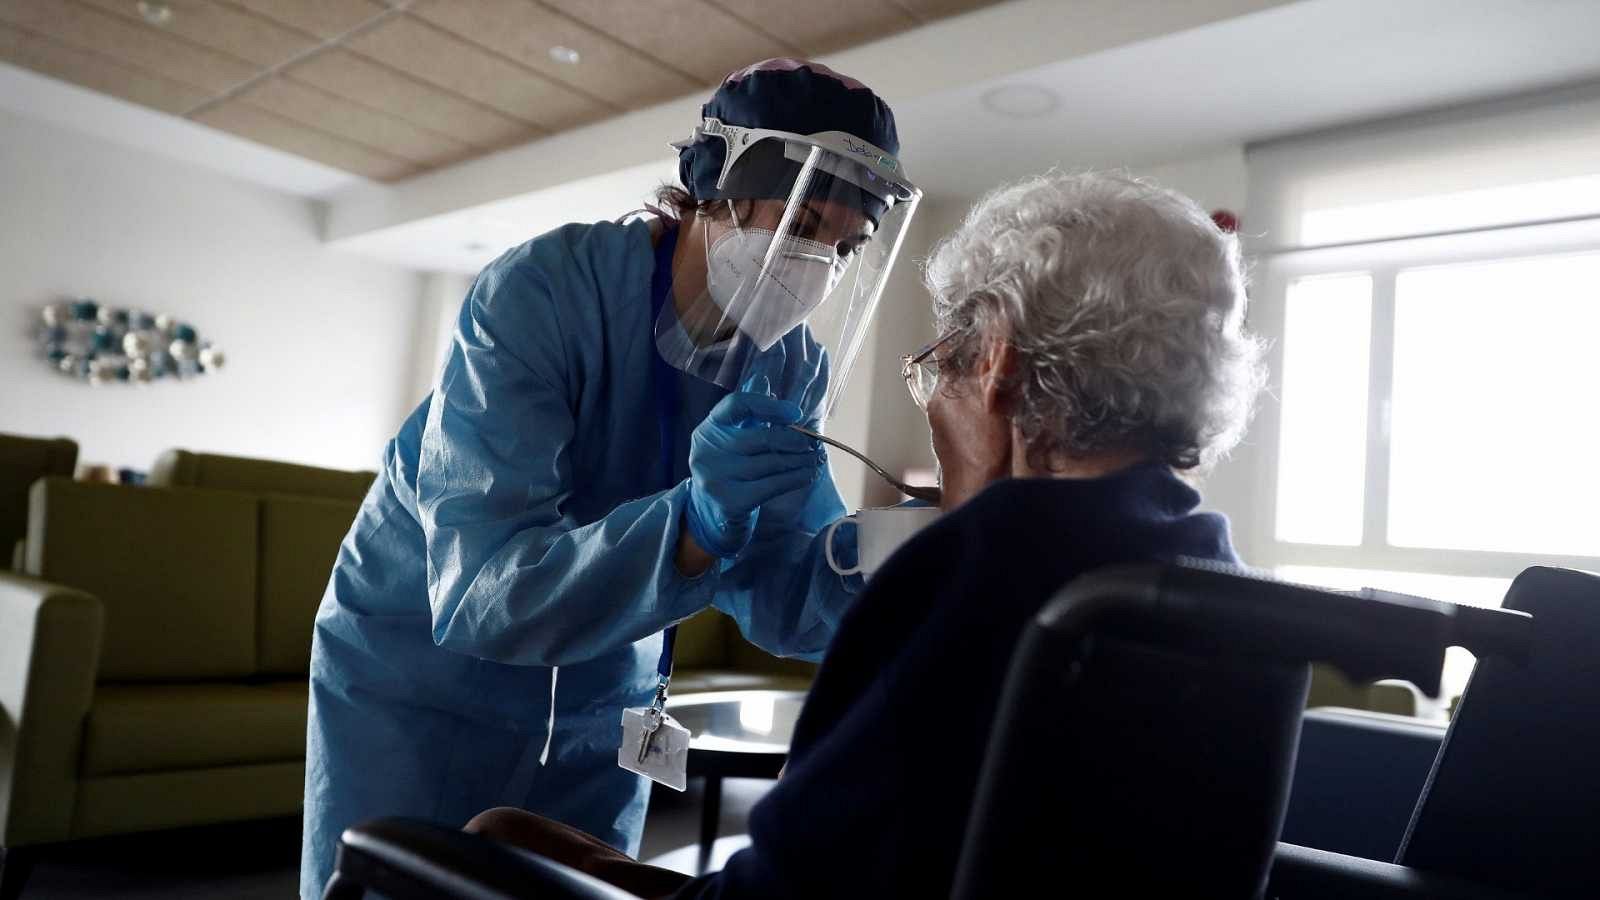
column 1124, row 305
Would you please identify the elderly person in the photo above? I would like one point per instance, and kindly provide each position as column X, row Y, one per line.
column 1090, row 350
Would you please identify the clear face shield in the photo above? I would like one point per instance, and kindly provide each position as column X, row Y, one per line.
column 795, row 264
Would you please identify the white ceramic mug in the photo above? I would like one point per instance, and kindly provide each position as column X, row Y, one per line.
column 880, row 530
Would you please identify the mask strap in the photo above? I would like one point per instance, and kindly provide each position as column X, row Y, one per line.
column 733, row 213
column 705, row 242
column 705, row 228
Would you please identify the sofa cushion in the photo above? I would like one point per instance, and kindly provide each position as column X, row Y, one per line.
column 702, row 641
column 711, row 640
column 119, row 804
column 170, row 727
column 175, row 569
column 747, row 657
column 181, row 468
column 1330, row 688
column 300, row 539
column 24, row 460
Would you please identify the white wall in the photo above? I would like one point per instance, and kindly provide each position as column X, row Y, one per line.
column 1215, row 180
column 1218, row 181
column 438, row 308
column 319, row 344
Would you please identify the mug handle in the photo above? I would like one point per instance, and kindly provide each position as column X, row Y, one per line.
column 827, row 546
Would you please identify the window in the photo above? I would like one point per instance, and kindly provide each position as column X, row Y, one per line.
column 1493, row 434
column 1433, row 297
column 1327, row 321
column 1435, row 424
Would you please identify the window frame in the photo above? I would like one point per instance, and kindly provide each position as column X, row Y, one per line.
column 1383, row 260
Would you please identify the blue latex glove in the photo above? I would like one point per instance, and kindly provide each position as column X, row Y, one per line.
column 795, row 368
column 740, row 457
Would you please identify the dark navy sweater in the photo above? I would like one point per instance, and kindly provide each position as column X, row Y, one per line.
column 886, row 754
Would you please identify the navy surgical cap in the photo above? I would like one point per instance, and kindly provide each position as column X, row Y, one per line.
column 792, row 95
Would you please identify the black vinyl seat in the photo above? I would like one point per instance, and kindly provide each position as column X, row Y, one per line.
column 1515, row 791
column 1357, row 778
column 1145, row 741
column 1508, row 808
column 1147, row 735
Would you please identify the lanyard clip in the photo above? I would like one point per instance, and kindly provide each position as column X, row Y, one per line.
column 654, row 716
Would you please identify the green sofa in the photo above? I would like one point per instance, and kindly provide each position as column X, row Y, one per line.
column 24, row 460
column 154, row 657
column 184, row 468
column 154, row 649
column 1329, row 688
column 712, row 655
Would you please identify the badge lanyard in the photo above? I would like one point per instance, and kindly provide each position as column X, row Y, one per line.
column 653, row 744
column 665, row 384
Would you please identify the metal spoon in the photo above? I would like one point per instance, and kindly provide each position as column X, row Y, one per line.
column 930, row 494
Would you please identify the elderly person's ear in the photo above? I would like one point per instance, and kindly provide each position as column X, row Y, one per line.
column 995, row 373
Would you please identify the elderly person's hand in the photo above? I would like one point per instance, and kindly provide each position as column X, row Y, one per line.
column 1087, row 322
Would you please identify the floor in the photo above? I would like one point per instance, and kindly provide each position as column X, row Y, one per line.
column 260, row 860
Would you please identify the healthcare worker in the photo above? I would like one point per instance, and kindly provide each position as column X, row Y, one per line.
column 604, row 454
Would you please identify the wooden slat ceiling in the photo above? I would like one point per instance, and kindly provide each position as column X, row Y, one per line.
column 392, row 89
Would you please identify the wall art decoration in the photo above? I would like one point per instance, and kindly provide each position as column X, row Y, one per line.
column 104, row 344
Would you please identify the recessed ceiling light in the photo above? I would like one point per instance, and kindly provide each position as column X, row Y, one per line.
column 156, row 12
column 565, row 55
column 1021, row 101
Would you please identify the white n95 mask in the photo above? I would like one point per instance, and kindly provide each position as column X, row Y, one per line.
column 794, row 306
column 766, row 284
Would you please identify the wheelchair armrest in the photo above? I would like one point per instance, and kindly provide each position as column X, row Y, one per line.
column 1302, row 873
column 409, row 860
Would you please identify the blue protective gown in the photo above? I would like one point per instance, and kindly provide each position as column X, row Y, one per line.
column 501, row 595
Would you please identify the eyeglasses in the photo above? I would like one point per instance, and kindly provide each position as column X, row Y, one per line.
column 921, row 371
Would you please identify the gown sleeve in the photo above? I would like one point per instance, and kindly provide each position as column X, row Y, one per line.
column 780, row 590
column 511, row 576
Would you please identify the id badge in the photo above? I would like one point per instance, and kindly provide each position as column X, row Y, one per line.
column 656, row 746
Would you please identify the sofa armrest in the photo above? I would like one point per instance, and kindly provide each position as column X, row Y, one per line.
column 1330, row 687
column 49, row 653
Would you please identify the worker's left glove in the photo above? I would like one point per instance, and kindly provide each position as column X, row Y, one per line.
column 740, row 457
